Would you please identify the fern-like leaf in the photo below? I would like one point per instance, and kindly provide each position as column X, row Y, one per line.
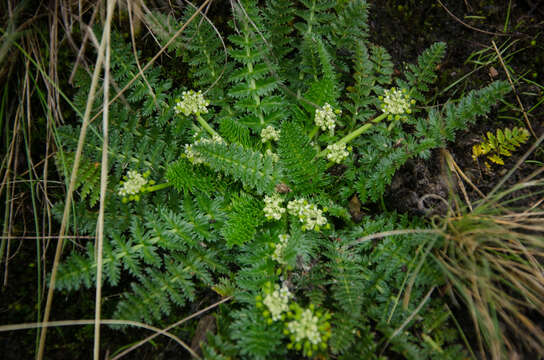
column 502, row 144
column 255, row 338
column 187, row 178
column 423, row 74
column 250, row 167
column 295, row 150
column 244, row 217
column 88, row 175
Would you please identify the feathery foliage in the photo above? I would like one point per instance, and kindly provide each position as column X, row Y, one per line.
column 248, row 184
column 500, row 145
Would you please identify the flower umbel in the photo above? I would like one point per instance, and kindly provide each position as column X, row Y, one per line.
column 305, row 327
column 309, row 215
column 396, row 102
column 193, row 155
column 276, row 301
column 273, row 208
column 325, row 118
column 279, row 249
column 269, row 133
column 275, row 157
column 337, row 153
column 308, row 331
column 192, row 103
column 134, row 183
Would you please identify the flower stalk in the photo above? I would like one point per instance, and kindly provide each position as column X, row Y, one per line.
column 206, row 126
column 354, row 134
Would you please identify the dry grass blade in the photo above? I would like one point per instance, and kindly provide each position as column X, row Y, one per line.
column 514, row 89
column 455, row 168
column 157, row 55
column 469, row 26
column 103, row 189
column 492, row 259
column 390, row 233
column 198, row 313
column 81, row 50
column 43, row 325
column 520, row 161
column 134, row 51
column 73, row 177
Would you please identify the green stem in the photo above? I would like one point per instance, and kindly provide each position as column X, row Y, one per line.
column 377, row 119
column 346, row 139
column 382, row 203
column 158, row 187
column 352, row 135
column 313, row 132
column 206, row 126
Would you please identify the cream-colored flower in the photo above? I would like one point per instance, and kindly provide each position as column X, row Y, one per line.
column 306, row 327
column 277, row 301
column 325, row 118
column 192, row 103
column 309, row 215
column 337, row 153
column 396, row 102
column 273, row 155
column 193, row 155
column 133, row 183
column 279, row 249
column 273, row 208
column 269, row 133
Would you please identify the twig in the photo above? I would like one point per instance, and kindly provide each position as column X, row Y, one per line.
column 514, row 89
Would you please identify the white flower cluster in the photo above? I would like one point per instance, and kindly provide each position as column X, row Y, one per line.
column 280, row 249
column 308, row 214
column 325, row 118
column 269, row 133
column 277, row 301
column 396, row 102
column 192, row 103
column 133, row 183
column 305, row 327
column 193, row 155
column 337, row 153
column 273, row 155
column 273, row 208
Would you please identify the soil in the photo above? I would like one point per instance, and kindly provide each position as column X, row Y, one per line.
column 405, row 28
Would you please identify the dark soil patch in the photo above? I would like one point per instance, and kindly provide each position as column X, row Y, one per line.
column 406, row 28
